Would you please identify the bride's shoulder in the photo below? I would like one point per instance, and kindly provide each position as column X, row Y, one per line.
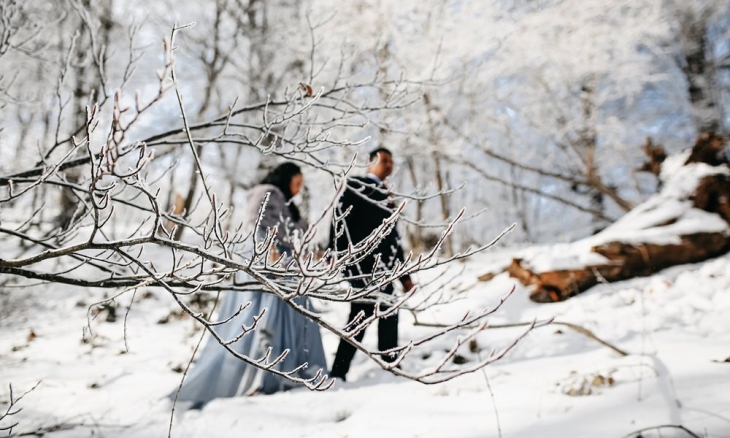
column 258, row 192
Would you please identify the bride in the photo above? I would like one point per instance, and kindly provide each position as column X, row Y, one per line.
column 217, row 373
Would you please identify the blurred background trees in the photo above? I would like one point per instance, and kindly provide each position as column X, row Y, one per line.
column 541, row 108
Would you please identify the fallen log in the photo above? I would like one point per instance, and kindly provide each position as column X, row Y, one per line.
column 688, row 221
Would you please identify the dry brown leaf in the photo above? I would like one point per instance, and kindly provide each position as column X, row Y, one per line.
column 474, row 346
column 307, row 89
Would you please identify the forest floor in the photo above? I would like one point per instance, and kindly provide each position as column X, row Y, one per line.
column 554, row 383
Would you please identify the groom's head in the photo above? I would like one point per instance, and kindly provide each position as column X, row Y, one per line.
column 381, row 163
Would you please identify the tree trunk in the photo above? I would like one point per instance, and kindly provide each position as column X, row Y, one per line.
column 698, row 67
column 86, row 87
column 415, row 232
column 445, row 210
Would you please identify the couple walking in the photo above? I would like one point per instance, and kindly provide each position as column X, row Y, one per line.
column 218, row 373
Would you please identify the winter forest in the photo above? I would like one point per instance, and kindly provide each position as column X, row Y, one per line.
column 457, row 218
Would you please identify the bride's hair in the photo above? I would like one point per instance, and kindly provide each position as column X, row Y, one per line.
column 281, row 177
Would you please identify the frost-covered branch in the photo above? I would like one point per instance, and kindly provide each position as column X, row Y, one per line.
column 119, row 237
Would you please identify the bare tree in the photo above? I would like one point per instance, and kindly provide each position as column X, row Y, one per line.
column 86, row 63
column 696, row 60
column 118, row 179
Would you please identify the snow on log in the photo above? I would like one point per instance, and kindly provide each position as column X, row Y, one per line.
column 686, row 222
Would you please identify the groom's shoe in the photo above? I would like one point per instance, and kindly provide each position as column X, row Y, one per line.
column 337, row 376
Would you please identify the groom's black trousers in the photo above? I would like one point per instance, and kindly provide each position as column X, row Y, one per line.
column 387, row 335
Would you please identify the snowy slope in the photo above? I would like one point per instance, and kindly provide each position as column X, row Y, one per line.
column 676, row 325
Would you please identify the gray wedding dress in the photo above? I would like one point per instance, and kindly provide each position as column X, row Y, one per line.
column 217, row 373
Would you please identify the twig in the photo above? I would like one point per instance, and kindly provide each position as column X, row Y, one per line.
column 187, row 368
column 491, row 394
column 582, row 330
column 11, row 410
column 638, row 433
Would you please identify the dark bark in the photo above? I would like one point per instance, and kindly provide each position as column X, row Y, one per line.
column 627, row 261
column 655, row 155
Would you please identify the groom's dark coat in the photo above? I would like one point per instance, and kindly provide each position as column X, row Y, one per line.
column 370, row 207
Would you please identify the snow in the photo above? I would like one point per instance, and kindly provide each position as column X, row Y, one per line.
column 681, row 180
column 674, row 324
column 560, row 257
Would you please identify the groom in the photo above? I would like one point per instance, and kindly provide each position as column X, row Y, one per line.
column 368, row 198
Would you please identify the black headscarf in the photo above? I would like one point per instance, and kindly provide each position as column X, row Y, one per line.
column 281, row 177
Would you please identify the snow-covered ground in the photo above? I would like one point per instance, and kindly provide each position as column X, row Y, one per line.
column 555, row 383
